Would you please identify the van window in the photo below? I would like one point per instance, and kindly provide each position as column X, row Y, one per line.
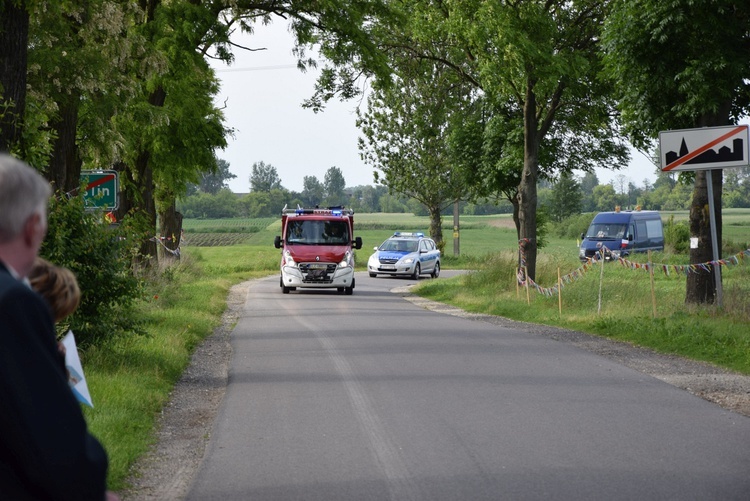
column 641, row 231
column 654, row 228
column 606, row 230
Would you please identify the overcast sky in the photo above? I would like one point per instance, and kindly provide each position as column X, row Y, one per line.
column 263, row 92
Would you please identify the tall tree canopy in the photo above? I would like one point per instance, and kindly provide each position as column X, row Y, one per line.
column 334, row 185
column 264, row 178
column 406, row 136
column 535, row 61
column 126, row 85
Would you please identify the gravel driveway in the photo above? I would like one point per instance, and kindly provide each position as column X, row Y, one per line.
column 185, row 425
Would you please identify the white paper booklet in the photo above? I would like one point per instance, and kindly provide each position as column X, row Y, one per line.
column 76, row 379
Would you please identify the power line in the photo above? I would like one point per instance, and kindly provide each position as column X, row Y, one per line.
column 257, row 68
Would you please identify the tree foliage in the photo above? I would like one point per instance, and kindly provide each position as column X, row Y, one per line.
column 264, row 178
column 537, row 65
column 214, row 180
column 407, row 129
column 334, row 185
column 313, row 191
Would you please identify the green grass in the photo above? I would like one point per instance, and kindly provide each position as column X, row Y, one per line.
column 718, row 336
column 130, row 378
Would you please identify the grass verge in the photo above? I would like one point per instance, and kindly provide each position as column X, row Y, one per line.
column 625, row 311
column 130, row 377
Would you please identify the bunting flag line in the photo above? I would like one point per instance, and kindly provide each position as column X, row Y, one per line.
column 578, row 273
column 680, row 269
column 160, row 240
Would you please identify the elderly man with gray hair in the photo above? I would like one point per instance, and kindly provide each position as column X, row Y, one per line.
column 46, row 451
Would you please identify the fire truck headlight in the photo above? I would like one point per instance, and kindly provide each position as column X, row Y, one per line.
column 347, row 261
column 288, row 259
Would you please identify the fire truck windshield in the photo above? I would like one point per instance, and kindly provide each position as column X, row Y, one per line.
column 318, row 232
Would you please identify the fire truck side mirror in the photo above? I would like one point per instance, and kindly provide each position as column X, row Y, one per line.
column 358, row 243
column 277, row 242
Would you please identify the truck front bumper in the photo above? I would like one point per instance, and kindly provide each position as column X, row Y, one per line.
column 291, row 276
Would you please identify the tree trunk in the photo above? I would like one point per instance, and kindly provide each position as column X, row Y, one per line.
column 516, row 216
column 14, row 36
column 527, row 189
column 125, row 186
column 146, row 206
column 64, row 169
column 170, row 232
column 145, row 202
column 436, row 226
column 701, row 283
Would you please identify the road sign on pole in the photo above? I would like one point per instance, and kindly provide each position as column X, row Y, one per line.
column 704, row 149
column 101, row 190
column 708, row 148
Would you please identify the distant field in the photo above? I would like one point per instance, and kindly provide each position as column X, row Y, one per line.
column 223, row 232
column 479, row 235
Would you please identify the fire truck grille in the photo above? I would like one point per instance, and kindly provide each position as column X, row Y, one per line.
column 317, row 273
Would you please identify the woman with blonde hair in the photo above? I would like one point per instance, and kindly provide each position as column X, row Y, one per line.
column 57, row 285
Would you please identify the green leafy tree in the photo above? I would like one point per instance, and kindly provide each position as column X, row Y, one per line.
column 604, row 197
column 268, row 203
column 313, row 191
column 223, row 204
column 680, row 65
column 737, row 187
column 588, row 182
column 334, row 185
column 406, row 132
column 565, row 199
column 264, row 178
column 65, row 37
column 214, row 180
column 538, row 62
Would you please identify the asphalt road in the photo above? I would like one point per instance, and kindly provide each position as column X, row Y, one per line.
column 369, row 396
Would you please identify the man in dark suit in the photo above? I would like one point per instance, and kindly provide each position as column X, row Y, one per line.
column 46, row 451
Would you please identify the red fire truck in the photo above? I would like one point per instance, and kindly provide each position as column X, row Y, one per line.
column 317, row 249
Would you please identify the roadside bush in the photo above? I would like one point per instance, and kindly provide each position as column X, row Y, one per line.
column 100, row 256
column 573, row 226
column 676, row 236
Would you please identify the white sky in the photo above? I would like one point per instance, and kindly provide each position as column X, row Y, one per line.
column 263, row 91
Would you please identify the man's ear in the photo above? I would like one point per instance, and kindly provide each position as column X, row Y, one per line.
column 31, row 229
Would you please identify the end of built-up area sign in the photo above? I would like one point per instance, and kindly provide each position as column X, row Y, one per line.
column 101, row 189
column 704, row 149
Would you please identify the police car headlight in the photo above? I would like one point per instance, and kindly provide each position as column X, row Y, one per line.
column 408, row 260
column 581, row 252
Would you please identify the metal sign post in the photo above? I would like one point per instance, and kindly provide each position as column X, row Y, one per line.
column 714, row 244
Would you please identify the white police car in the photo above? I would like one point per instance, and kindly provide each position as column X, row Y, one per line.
column 409, row 254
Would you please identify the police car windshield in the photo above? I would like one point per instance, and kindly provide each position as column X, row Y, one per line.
column 308, row 232
column 606, row 230
column 400, row 245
